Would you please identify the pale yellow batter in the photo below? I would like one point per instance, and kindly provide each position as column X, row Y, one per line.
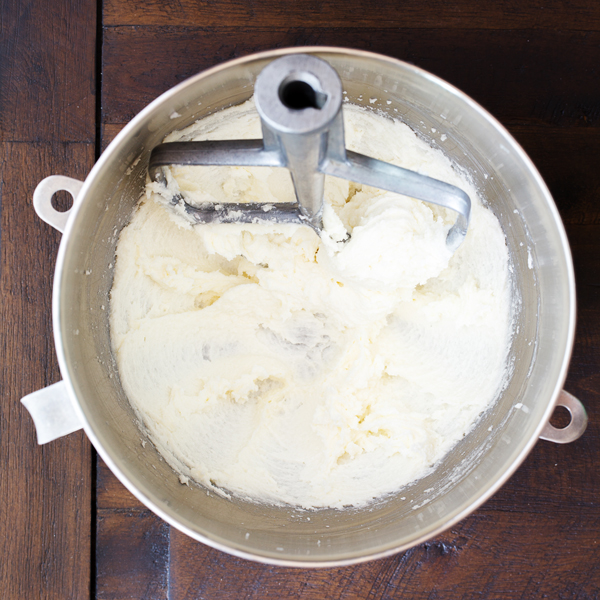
column 282, row 367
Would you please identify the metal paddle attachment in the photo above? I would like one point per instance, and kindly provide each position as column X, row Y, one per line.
column 299, row 100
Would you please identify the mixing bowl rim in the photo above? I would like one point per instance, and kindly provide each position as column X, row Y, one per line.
column 233, row 549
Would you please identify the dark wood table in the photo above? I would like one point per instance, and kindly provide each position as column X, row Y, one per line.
column 72, row 73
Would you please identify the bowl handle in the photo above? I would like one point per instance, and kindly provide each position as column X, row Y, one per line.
column 52, row 412
column 574, row 429
column 42, row 199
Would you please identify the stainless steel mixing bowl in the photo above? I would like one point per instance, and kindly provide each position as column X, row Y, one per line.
column 91, row 396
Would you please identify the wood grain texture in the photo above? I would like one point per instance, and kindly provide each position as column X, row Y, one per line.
column 47, row 126
column 110, row 493
column 504, row 14
column 568, row 160
column 134, row 566
column 45, row 492
column 109, row 133
column 522, row 77
column 47, row 77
